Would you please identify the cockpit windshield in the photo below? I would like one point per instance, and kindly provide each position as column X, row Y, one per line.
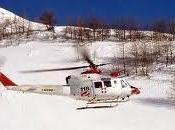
column 124, row 83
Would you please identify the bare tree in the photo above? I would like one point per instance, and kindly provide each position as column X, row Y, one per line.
column 134, row 52
column 48, row 18
column 94, row 25
column 29, row 30
column 171, row 28
column 159, row 27
column 131, row 26
column 123, row 57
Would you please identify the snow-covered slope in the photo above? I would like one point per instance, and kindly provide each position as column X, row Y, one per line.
column 4, row 14
column 150, row 110
column 20, row 111
column 40, row 55
column 7, row 15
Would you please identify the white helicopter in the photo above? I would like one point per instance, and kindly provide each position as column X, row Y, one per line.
column 91, row 85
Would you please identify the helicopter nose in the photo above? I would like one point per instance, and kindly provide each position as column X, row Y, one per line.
column 135, row 90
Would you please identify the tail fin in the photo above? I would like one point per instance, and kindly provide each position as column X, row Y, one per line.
column 6, row 81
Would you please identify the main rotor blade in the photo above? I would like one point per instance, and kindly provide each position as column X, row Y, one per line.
column 103, row 64
column 61, row 69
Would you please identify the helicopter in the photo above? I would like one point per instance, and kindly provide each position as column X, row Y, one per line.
column 91, row 85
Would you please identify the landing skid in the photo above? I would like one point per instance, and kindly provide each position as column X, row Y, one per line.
column 93, row 104
column 101, row 103
column 96, row 107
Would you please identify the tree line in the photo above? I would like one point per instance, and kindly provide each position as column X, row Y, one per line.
column 145, row 47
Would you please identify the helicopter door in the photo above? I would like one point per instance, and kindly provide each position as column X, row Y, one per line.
column 99, row 89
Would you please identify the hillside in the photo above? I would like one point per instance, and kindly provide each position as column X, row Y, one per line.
column 152, row 109
column 7, row 15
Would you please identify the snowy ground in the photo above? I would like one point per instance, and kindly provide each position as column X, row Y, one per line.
column 150, row 110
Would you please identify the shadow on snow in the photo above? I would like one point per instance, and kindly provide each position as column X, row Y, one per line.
column 157, row 102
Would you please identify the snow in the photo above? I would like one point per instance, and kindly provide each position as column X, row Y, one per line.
column 5, row 14
column 151, row 110
column 19, row 111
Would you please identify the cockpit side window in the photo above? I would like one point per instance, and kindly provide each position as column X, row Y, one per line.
column 98, row 84
column 123, row 84
column 107, row 83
